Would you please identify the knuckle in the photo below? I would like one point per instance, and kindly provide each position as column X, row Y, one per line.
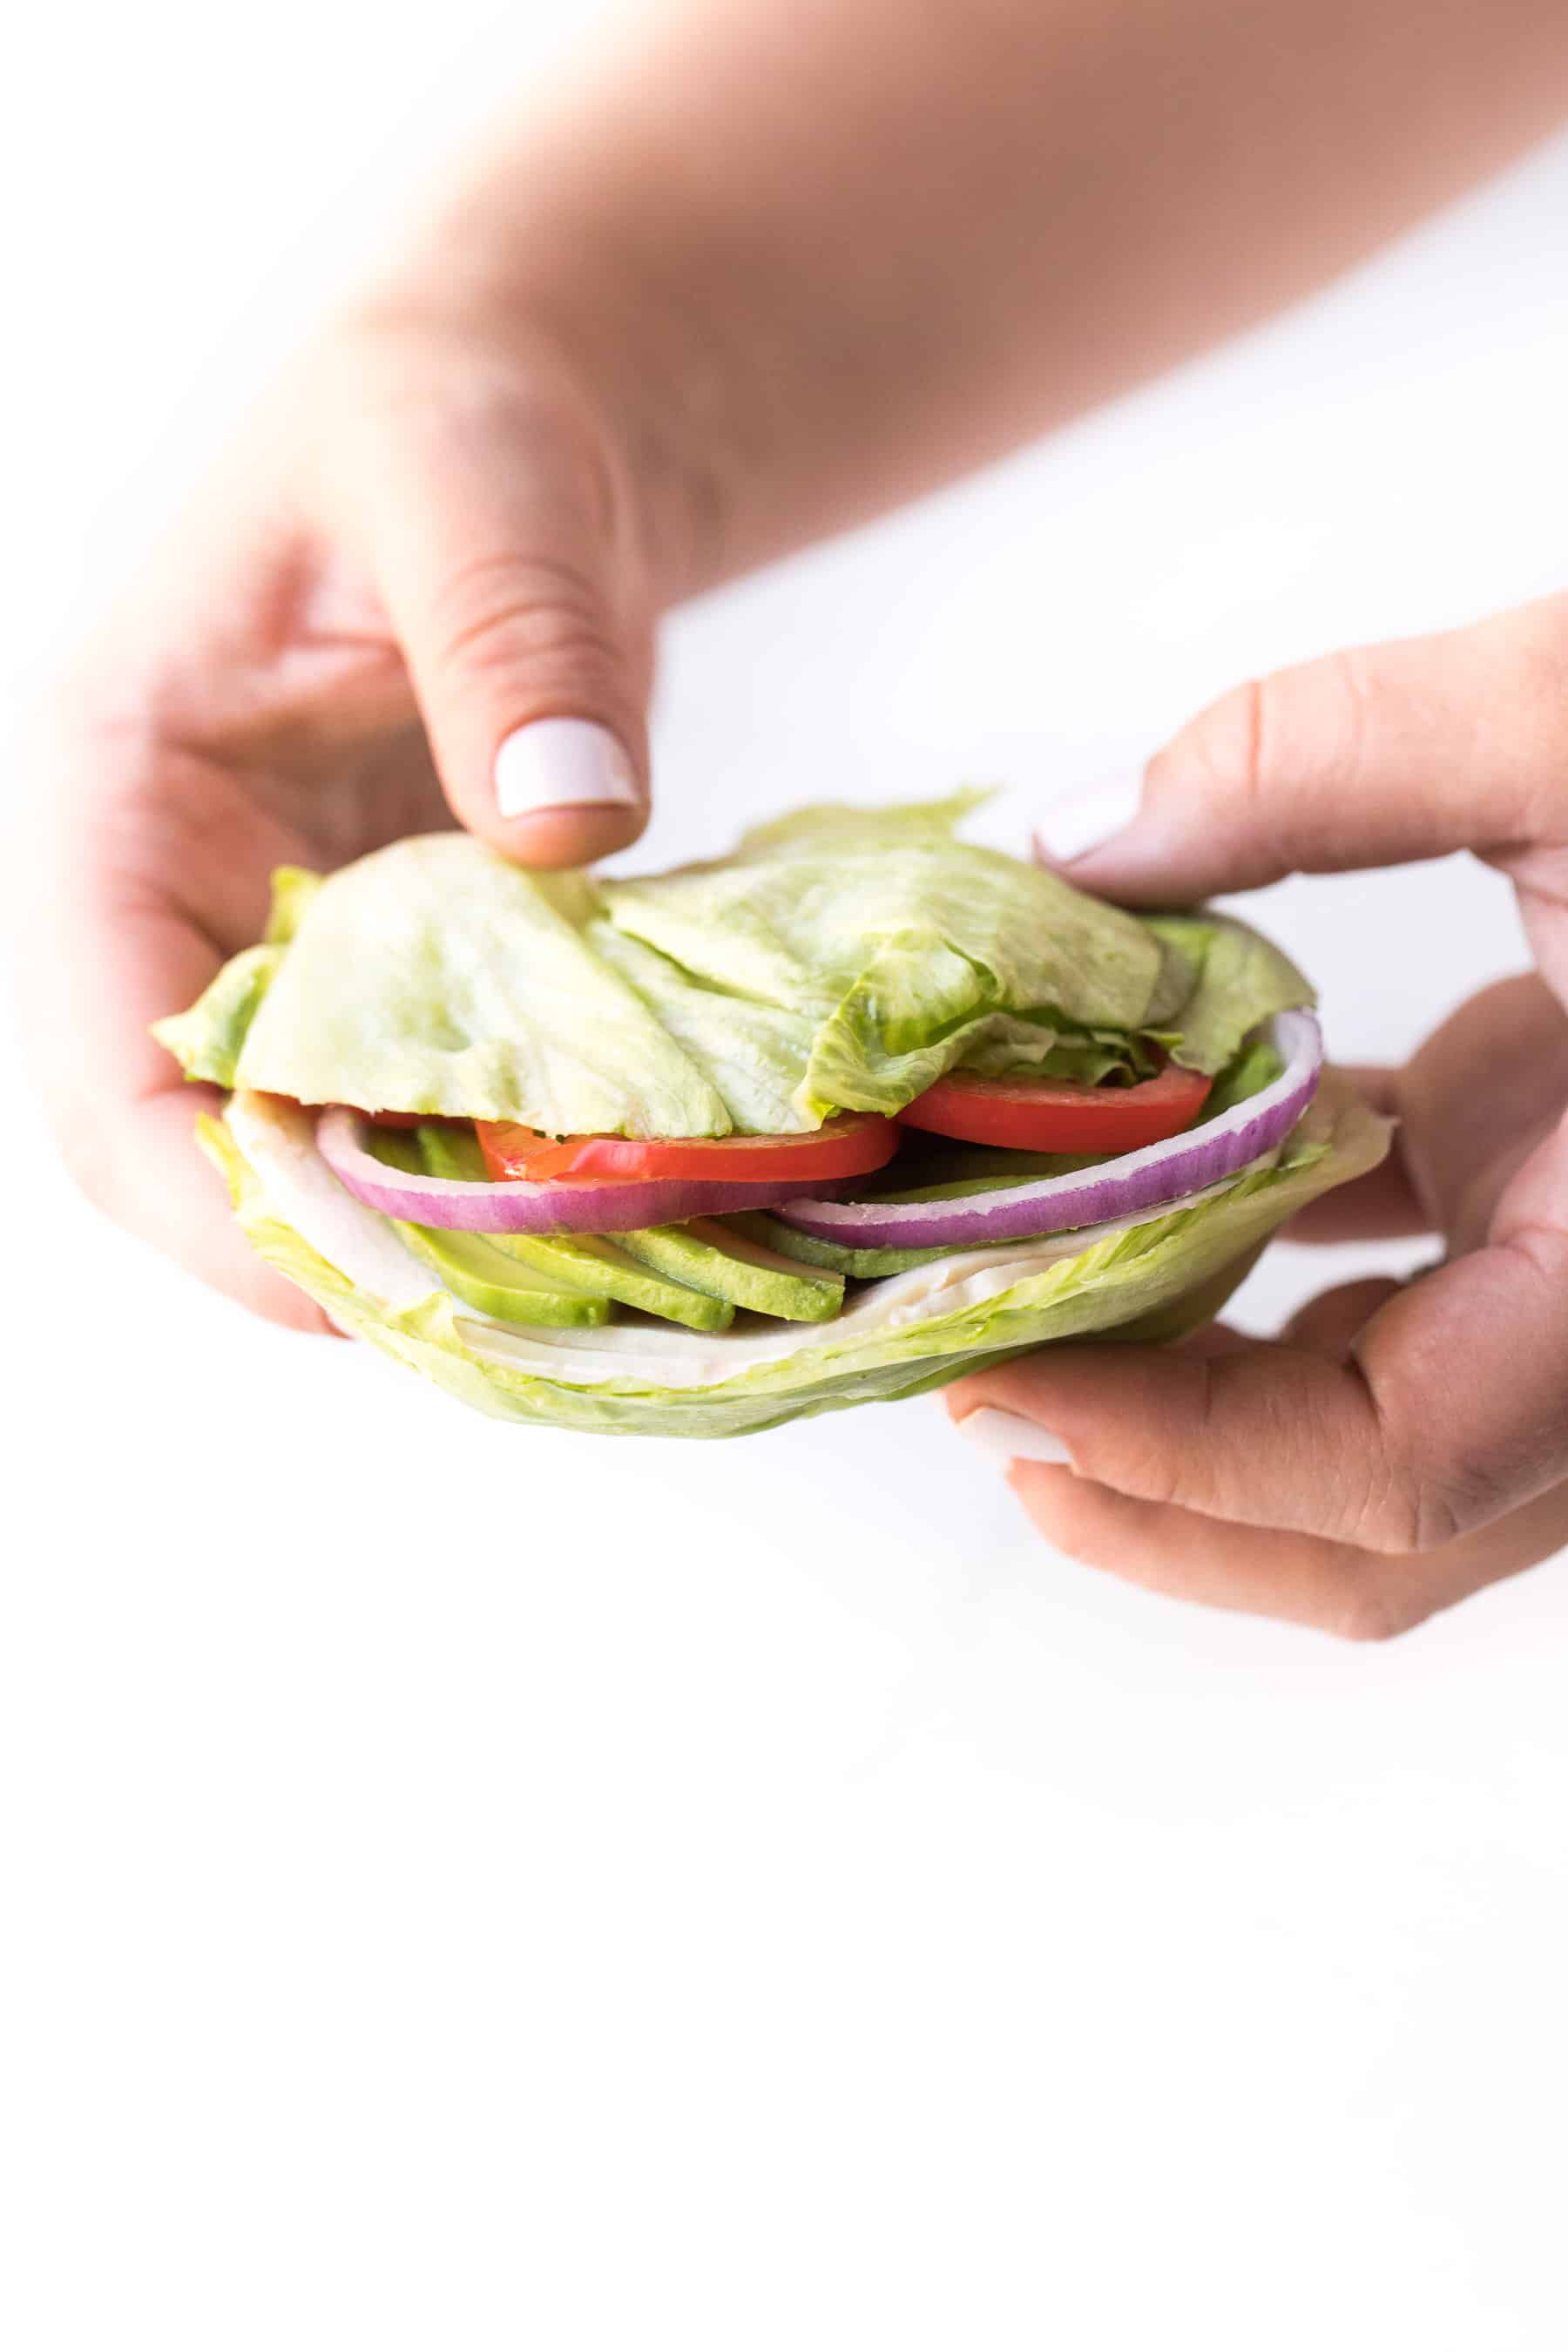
column 1216, row 752
column 1424, row 1483
column 1224, row 761
column 1386, row 1512
column 1267, row 755
column 1367, row 1610
column 1534, row 640
column 1415, row 1507
column 1071, row 1518
column 1535, row 696
column 1154, row 1475
column 499, row 613
column 1310, row 729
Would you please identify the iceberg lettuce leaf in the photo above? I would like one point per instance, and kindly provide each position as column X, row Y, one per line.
column 294, row 889
column 842, row 959
column 207, row 1039
column 433, row 976
column 898, row 942
column 755, row 1055
column 1242, row 979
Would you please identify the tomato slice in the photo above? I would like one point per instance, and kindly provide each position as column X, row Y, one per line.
column 850, row 1145
column 1055, row 1115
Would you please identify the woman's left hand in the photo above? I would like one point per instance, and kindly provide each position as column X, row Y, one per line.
column 1400, row 1444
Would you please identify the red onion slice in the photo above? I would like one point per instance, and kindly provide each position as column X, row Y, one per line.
column 1154, row 1178
column 601, row 1204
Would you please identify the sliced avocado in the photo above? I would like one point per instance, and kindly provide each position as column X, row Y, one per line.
column 604, row 1267
column 865, row 1264
column 470, row 1264
column 713, row 1256
column 960, row 1169
column 983, row 1171
column 597, row 1265
column 451, row 1152
column 486, row 1277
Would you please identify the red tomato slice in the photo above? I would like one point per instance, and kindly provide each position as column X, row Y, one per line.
column 398, row 1119
column 1054, row 1115
column 850, row 1145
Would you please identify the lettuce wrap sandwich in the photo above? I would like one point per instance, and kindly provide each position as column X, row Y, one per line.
column 830, row 1121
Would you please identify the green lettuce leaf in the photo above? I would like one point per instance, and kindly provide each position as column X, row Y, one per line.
column 1257, row 1066
column 840, row 824
column 1146, row 1278
column 433, row 976
column 899, row 943
column 206, row 1040
column 842, row 959
column 294, row 889
column 1242, row 979
column 1010, row 1046
column 755, row 1055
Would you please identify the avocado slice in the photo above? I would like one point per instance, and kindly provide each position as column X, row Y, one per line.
column 606, row 1267
column 590, row 1263
column 486, row 1277
column 712, row 1254
column 864, row 1265
column 983, row 1171
column 470, row 1265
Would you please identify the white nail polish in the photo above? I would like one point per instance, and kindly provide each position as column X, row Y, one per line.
column 1010, row 1438
column 1081, row 820
column 563, row 763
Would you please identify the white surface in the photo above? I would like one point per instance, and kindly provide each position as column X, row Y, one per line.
column 472, row 1888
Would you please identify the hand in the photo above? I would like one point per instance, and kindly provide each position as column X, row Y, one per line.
column 1399, row 1445
column 426, row 591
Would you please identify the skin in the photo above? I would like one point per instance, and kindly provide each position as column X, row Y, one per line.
column 756, row 275
column 1401, row 1444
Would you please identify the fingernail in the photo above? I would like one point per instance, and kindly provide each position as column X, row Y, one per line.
column 563, row 763
column 1009, row 1437
column 1081, row 820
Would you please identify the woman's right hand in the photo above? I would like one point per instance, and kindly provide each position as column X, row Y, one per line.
column 1402, row 1444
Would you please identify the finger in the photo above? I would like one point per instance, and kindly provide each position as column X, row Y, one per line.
column 1382, row 1205
column 1302, row 1579
column 1213, row 1339
column 1326, row 1324
column 1449, row 1408
column 1377, row 1083
column 1331, row 1324
column 1184, row 1556
column 123, row 1117
column 1396, row 753
column 1480, row 1096
column 1479, row 1100
column 502, row 540
column 163, row 1189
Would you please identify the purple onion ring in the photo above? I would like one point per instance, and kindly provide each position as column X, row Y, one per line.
column 601, row 1204
column 1154, row 1177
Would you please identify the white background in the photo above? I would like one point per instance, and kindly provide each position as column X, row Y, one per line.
column 473, row 1888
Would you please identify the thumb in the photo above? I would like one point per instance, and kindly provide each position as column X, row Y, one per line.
column 1374, row 758
column 500, row 533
